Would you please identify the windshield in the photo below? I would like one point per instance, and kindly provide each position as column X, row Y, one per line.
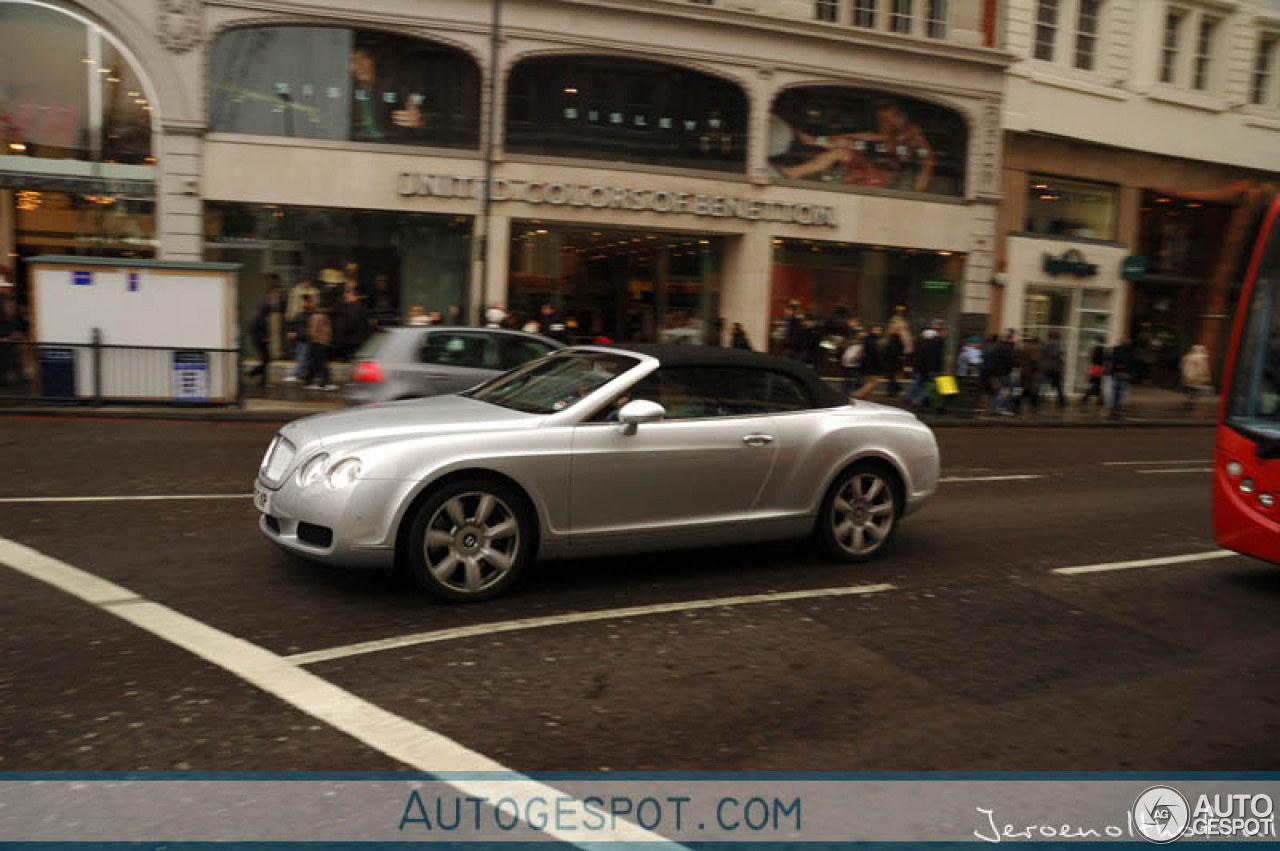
column 1254, row 404
column 553, row 383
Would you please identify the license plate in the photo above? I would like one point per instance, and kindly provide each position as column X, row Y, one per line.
column 262, row 500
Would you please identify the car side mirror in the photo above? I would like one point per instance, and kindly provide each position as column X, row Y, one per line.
column 639, row 411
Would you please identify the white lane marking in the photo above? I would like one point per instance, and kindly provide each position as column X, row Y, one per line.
column 1188, row 470
column 12, row 499
column 1146, row 562
column 1024, row 476
column 1154, row 463
column 573, row 618
column 398, row 738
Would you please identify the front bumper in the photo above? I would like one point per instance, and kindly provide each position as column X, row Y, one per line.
column 352, row 527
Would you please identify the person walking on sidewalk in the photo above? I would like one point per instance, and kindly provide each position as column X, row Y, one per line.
column 319, row 335
column 872, row 362
column 1005, row 358
column 1029, row 374
column 1122, row 366
column 1051, row 366
column 1097, row 368
column 1196, row 379
column 928, row 364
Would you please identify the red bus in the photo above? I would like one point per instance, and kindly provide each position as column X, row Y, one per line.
column 1246, row 468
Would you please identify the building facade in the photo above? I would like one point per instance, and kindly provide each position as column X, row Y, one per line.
column 650, row 169
column 1116, row 107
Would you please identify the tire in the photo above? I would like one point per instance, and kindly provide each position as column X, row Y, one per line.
column 860, row 513
column 469, row 540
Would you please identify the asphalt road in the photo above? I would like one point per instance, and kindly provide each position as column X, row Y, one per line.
column 976, row 656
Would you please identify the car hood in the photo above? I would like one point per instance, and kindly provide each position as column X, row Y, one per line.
column 410, row 418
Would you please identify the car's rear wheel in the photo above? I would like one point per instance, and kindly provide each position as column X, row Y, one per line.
column 469, row 540
column 860, row 513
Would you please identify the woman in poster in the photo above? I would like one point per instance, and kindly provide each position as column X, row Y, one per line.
column 897, row 155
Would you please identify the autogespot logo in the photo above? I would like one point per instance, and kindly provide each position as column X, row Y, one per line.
column 1161, row 814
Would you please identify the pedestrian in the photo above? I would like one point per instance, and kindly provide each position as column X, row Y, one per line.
column 350, row 325
column 893, row 353
column 1196, row 380
column 851, row 362
column 418, row 316
column 872, row 367
column 796, row 342
column 1097, row 368
column 1029, row 374
column 739, row 340
column 927, row 364
column 300, row 329
column 988, row 381
column 10, row 363
column 1003, row 362
column 1121, row 363
column 260, row 332
column 969, row 359
column 319, row 336
column 1051, row 366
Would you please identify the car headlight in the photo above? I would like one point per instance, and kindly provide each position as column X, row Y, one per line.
column 310, row 472
column 343, row 473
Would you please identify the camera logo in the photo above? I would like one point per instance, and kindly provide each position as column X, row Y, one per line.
column 1161, row 814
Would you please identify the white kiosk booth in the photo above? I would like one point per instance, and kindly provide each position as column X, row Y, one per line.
column 125, row 330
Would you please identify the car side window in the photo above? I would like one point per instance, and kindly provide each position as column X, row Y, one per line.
column 450, row 348
column 521, row 350
column 689, row 393
column 786, row 393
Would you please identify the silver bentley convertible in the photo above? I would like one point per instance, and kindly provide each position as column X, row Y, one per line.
column 590, row 451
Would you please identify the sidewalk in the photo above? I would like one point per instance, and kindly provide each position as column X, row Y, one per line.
column 282, row 401
column 1145, row 406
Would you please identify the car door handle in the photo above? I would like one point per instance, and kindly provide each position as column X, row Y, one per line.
column 758, row 439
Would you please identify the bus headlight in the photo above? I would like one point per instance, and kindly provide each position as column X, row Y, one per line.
column 1246, row 486
column 1234, row 469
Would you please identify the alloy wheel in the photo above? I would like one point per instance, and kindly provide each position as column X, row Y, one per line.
column 472, row 542
column 863, row 514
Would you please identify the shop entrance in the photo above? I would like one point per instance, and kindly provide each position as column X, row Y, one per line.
column 624, row 285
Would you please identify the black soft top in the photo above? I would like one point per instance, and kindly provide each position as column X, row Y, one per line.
column 675, row 354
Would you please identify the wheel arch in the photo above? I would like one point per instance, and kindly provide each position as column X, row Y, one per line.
column 405, row 520
column 884, row 461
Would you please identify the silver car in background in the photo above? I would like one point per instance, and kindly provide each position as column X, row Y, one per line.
column 591, row 451
column 432, row 360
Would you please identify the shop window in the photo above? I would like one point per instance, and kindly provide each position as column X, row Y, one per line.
column 856, row 138
column 67, row 92
column 1076, row 208
column 636, row 111
column 396, row 261
column 837, row 287
column 343, row 84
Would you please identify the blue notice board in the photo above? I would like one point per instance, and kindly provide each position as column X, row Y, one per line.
column 190, row 376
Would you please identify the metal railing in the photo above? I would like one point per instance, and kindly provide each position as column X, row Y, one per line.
column 98, row 373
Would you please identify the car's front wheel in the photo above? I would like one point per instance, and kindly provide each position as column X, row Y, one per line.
column 860, row 513
column 469, row 540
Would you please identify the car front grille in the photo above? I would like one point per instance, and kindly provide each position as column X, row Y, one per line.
column 279, row 457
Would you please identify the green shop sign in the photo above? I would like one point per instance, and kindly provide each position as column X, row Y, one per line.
column 1071, row 262
column 945, row 287
column 1134, row 268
